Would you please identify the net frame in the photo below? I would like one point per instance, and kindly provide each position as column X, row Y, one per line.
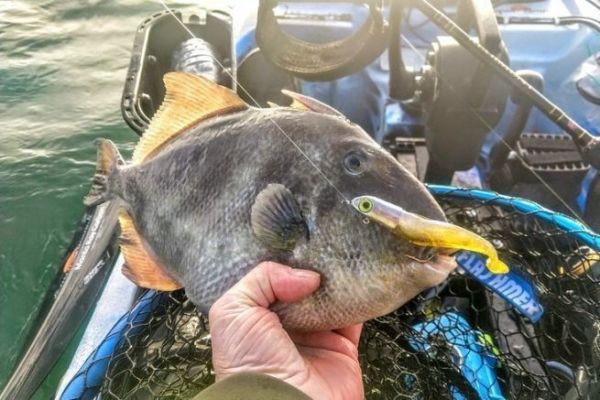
column 164, row 352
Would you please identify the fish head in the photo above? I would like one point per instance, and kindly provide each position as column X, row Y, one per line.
column 364, row 167
column 356, row 165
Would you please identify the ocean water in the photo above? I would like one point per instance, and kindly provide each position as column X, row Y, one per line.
column 62, row 68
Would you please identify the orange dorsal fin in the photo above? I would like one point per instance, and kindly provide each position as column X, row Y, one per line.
column 189, row 99
column 141, row 267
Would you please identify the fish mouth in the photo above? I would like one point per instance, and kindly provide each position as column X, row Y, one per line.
column 441, row 264
column 438, row 260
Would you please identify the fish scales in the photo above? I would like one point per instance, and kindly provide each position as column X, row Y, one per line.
column 199, row 192
column 233, row 190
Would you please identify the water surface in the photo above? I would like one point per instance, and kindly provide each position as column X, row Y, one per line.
column 62, row 68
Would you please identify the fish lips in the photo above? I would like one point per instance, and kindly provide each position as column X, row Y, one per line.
column 443, row 264
column 438, row 260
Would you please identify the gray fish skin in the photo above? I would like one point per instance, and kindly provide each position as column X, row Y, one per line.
column 192, row 204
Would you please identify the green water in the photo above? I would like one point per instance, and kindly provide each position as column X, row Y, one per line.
column 62, row 67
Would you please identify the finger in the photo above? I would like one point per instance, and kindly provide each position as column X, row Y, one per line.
column 352, row 333
column 270, row 282
column 327, row 340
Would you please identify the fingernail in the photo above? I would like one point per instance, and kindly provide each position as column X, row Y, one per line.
column 304, row 273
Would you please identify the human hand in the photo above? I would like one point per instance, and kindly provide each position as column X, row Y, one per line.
column 248, row 337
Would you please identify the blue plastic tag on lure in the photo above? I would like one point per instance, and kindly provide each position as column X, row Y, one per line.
column 510, row 286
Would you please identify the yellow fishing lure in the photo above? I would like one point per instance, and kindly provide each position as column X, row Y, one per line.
column 427, row 232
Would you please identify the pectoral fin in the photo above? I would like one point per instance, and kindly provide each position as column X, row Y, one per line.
column 141, row 267
column 276, row 218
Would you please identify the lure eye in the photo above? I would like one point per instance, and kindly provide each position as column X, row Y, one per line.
column 354, row 163
column 365, row 206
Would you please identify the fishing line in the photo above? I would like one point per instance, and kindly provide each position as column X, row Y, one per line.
column 327, row 180
column 504, row 142
column 236, row 82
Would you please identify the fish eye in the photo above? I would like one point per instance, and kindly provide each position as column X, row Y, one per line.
column 354, row 163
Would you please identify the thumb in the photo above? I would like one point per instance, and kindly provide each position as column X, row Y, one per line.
column 267, row 283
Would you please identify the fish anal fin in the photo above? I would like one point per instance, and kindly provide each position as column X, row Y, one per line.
column 189, row 99
column 140, row 266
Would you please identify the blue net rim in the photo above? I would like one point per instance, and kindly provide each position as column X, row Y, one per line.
column 526, row 207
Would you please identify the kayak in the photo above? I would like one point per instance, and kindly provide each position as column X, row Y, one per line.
column 555, row 255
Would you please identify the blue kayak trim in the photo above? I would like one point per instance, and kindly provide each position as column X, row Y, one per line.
column 473, row 359
column 88, row 380
column 245, row 45
column 563, row 222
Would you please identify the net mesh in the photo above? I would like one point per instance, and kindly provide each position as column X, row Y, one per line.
column 457, row 341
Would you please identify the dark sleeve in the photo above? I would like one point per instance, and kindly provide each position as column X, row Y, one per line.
column 250, row 386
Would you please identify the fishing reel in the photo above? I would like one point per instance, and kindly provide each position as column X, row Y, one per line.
column 459, row 98
column 461, row 102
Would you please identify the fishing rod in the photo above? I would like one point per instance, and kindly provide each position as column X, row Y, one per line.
column 447, row 82
column 587, row 144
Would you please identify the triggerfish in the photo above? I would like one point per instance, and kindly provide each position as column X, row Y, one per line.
column 215, row 187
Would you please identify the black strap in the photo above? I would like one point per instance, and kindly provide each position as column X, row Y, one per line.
column 326, row 61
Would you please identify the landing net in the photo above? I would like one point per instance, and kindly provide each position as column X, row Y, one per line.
column 458, row 341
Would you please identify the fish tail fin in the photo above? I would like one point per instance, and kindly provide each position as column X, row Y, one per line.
column 107, row 170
